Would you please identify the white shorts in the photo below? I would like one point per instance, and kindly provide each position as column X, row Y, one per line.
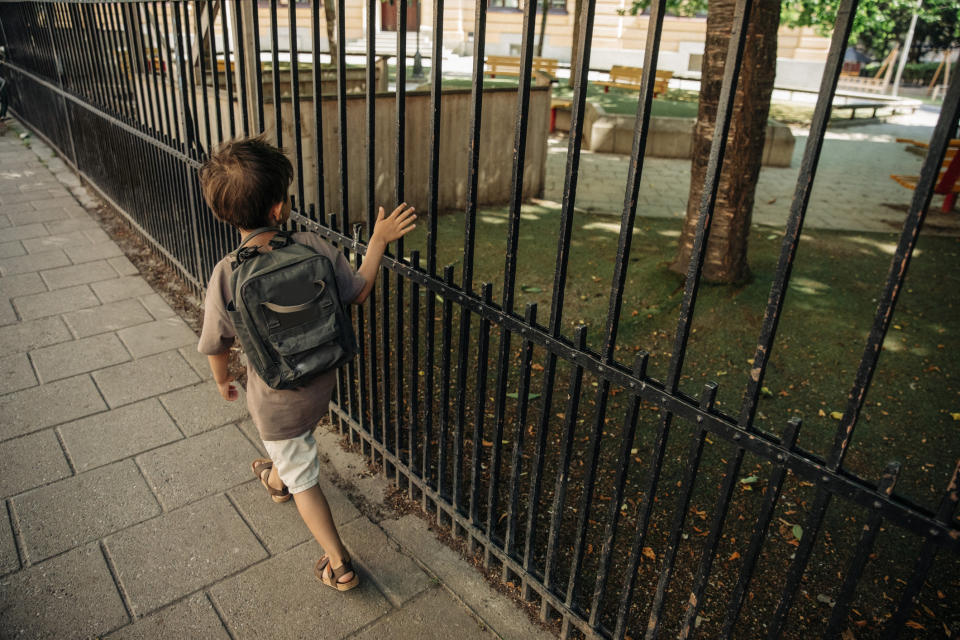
column 296, row 459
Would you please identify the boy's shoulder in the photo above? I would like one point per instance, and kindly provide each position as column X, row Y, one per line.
column 315, row 241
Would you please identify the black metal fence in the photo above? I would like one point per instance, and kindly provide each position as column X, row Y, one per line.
column 586, row 509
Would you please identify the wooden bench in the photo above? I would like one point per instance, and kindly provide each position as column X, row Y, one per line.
column 510, row 66
column 948, row 183
column 631, row 78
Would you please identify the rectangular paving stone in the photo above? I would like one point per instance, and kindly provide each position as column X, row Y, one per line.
column 190, row 618
column 79, row 356
column 397, row 576
column 49, row 404
column 108, row 317
column 25, row 232
column 9, row 560
column 87, row 252
column 154, row 337
column 73, row 275
column 253, row 607
column 80, row 223
column 201, row 408
column 7, row 314
column 96, row 236
column 121, row 288
column 16, row 373
column 33, row 262
column 157, row 306
column 12, row 249
column 150, row 376
column 82, row 508
column 39, row 214
column 22, row 285
column 191, row 469
column 46, row 242
column 33, row 334
column 165, row 558
column 39, row 461
column 120, row 264
column 279, row 527
column 495, row 610
column 250, row 430
column 117, row 434
column 198, row 362
column 70, row 596
column 434, row 615
column 53, row 303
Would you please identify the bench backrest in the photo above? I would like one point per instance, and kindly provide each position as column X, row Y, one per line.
column 634, row 75
column 511, row 65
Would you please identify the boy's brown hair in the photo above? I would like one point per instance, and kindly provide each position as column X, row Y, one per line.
column 244, row 179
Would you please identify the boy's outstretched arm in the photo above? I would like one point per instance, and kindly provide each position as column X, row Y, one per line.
column 218, row 365
column 387, row 229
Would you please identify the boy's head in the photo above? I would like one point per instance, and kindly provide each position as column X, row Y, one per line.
column 244, row 182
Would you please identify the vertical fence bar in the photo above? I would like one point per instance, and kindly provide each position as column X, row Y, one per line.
column 483, row 349
column 317, row 109
column 443, row 449
column 169, row 66
column 775, row 302
column 523, row 401
column 929, row 173
column 275, row 78
column 414, row 399
column 197, row 14
column 627, row 437
column 563, row 466
column 770, row 498
column 945, row 513
column 863, row 550
column 946, row 124
column 295, row 87
column 401, row 116
column 510, row 263
column 241, row 72
column 258, row 66
column 123, row 17
column 215, row 68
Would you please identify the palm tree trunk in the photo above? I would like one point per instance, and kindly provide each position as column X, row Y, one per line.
column 726, row 257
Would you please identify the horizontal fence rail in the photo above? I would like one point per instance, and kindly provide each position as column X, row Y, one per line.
column 604, row 494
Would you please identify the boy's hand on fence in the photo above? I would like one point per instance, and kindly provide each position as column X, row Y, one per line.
column 393, row 227
column 228, row 390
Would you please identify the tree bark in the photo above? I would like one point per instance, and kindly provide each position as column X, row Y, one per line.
column 574, row 58
column 330, row 17
column 726, row 255
column 543, row 27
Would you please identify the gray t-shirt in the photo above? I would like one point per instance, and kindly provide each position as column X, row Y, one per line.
column 279, row 414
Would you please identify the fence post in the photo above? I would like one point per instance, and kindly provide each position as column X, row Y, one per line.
column 248, row 21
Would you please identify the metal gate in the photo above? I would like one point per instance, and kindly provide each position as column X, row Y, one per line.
column 134, row 95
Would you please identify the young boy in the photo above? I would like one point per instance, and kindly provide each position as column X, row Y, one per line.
column 245, row 183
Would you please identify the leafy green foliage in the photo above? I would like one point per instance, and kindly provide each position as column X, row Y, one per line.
column 877, row 27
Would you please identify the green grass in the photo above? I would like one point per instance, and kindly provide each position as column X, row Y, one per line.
column 830, row 305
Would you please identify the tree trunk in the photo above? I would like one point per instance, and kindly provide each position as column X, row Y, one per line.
column 543, row 27
column 574, row 59
column 726, row 256
column 330, row 17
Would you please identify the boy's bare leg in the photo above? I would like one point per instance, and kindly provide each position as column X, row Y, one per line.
column 315, row 511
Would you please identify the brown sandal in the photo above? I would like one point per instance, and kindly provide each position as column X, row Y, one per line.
column 265, row 464
column 338, row 573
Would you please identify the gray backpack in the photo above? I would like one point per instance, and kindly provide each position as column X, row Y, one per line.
column 287, row 311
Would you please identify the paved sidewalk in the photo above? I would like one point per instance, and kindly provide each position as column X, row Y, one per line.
column 852, row 189
column 130, row 508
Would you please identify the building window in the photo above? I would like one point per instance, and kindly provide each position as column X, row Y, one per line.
column 519, row 5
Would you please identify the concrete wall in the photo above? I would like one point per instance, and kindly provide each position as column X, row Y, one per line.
column 670, row 137
column 496, row 148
